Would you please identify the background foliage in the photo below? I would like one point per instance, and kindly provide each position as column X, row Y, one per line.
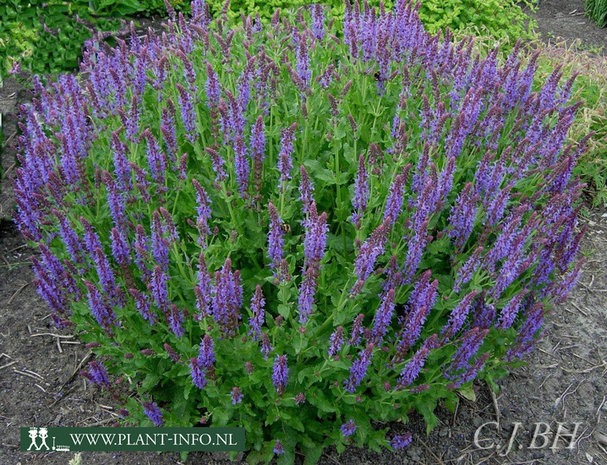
column 597, row 10
column 56, row 47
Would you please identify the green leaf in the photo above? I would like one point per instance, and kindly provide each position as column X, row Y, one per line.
column 312, row 454
column 467, row 392
column 426, row 409
column 284, row 311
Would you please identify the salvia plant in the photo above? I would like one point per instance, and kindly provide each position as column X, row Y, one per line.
column 308, row 236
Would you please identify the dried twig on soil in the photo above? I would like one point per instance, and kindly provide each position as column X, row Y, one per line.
column 438, row 459
column 8, row 365
column 598, row 410
column 17, row 292
column 62, row 336
column 102, row 422
column 30, row 375
column 579, row 309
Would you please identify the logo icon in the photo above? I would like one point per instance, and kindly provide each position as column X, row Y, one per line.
column 34, row 434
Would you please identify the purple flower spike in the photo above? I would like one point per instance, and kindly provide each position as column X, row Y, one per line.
column 280, row 374
column 156, row 158
column 175, row 318
column 307, row 289
column 206, row 356
column 467, row 270
column 122, row 169
column 357, row 329
column 394, row 202
column 120, row 247
column 368, row 253
column 285, row 164
column 102, row 312
column 472, row 370
column 241, row 165
column 358, row 370
column 275, row 238
column 167, row 127
column 158, row 288
column 401, row 441
column 218, row 164
column 306, row 188
column 315, row 238
column 153, row 413
column 361, row 191
column 336, row 341
column 510, row 310
column 266, row 346
column 188, row 113
column 142, row 303
column 203, row 289
column 203, row 211
column 237, row 395
column 227, row 298
column 458, row 316
column 71, row 240
column 348, row 428
column 318, row 21
column 278, row 448
column 413, row 367
column 213, row 88
column 471, row 342
column 98, row 374
column 258, row 143
column 383, row 316
column 462, row 216
column 203, row 364
column 257, row 309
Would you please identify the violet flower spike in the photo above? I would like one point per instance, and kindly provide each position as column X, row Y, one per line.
column 102, row 312
column 383, row 316
column 203, row 289
column 401, row 441
column 285, row 163
column 280, row 374
column 98, row 374
column 278, row 448
column 315, row 239
column 266, row 346
column 336, row 341
column 153, row 413
column 306, row 189
column 358, row 370
column 275, row 238
column 361, row 191
column 257, row 309
column 348, row 428
column 227, row 298
column 237, row 395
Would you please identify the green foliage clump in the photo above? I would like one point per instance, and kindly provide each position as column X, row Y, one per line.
column 44, row 36
column 597, row 11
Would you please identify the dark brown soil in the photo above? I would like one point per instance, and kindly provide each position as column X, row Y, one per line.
column 564, row 380
column 565, row 19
